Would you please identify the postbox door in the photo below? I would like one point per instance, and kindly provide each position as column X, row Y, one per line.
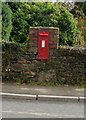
column 43, row 44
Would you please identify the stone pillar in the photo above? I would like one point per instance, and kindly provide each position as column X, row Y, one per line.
column 53, row 38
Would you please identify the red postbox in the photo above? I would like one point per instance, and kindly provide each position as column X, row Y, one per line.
column 43, row 44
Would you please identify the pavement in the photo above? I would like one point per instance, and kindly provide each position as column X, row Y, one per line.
column 60, row 93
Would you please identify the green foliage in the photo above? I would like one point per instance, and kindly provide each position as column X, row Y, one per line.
column 6, row 21
column 68, row 27
column 20, row 22
column 43, row 14
column 79, row 9
column 83, row 83
column 81, row 39
column 0, row 20
column 84, row 7
column 79, row 12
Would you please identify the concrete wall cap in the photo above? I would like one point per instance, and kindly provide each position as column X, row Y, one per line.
column 45, row 27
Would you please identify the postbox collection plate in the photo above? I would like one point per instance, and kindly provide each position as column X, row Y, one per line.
column 43, row 43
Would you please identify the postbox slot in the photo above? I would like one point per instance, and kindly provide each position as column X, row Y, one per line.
column 43, row 34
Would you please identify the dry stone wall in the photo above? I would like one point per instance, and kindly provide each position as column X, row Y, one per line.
column 66, row 65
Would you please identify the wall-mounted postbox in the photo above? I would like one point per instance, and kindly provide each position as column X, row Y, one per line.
column 43, row 44
column 43, row 40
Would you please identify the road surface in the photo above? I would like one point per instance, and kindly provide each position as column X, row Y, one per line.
column 16, row 108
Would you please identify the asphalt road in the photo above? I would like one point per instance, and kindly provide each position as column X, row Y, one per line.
column 16, row 108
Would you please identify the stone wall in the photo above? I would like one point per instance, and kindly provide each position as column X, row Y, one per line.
column 66, row 65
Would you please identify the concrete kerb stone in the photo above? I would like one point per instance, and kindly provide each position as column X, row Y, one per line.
column 59, row 98
column 82, row 99
column 19, row 96
column 43, row 97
